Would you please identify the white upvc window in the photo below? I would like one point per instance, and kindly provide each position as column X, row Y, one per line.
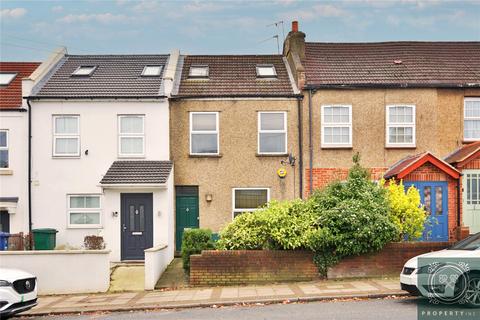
column 272, row 132
column 84, row 211
column 336, row 126
column 4, row 149
column 204, row 133
column 266, row 71
column 471, row 119
column 400, row 131
column 66, row 136
column 198, row 71
column 249, row 199
column 6, row 78
column 131, row 136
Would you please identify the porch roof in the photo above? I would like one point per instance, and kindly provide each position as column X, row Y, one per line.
column 142, row 172
column 409, row 164
column 464, row 154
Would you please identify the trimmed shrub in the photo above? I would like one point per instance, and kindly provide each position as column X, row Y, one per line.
column 193, row 242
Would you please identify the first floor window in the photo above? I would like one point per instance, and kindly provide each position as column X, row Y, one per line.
column 471, row 119
column 131, row 134
column 3, row 149
column 337, row 126
column 249, row 199
column 66, row 136
column 204, row 133
column 84, row 211
column 400, row 126
column 272, row 132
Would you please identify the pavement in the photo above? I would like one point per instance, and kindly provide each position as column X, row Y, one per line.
column 217, row 296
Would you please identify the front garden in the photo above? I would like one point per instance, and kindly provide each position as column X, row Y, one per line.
column 346, row 218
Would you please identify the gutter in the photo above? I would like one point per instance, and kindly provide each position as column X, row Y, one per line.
column 393, row 85
column 300, row 143
column 13, row 110
column 29, row 170
column 33, row 98
column 235, row 96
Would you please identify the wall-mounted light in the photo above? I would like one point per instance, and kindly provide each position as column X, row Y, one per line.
column 208, row 197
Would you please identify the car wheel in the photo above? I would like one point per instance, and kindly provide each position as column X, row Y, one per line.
column 472, row 293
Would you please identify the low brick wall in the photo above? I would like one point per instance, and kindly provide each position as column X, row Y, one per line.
column 388, row 261
column 251, row 266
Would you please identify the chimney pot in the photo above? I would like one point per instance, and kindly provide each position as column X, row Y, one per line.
column 294, row 26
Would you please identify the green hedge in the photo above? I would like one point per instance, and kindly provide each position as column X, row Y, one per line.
column 193, row 242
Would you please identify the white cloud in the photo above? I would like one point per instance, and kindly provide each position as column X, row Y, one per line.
column 319, row 11
column 57, row 9
column 13, row 13
column 198, row 6
column 104, row 18
column 145, row 6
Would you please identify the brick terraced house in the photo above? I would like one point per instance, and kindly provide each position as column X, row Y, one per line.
column 391, row 101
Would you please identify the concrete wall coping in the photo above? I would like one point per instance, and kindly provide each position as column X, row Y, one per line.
column 156, row 248
column 54, row 252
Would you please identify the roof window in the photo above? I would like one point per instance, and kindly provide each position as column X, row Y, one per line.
column 198, row 72
column 84, row 71
column 6, row 78
column 266, row 71
column 152, row 71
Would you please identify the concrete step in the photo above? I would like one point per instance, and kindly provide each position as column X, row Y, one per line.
column 127, row 276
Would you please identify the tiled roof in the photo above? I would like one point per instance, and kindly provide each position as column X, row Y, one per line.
column 11, row 95
column 415, row 64
column 410, row 163
column 235, row 75
column 138, row 172
column 114, row 76
column 463, row 153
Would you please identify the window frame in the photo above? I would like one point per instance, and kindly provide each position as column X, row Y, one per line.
column 259, row 66
column 190, row 76
column 260, row 131
column 152, row 75
column 240, row 211
column 84, row 210
column 55, row 136
column 130, row 135
column 324, row 125
column 6, row 148
column 388, row 125
column 217, row 132
column 465, row 99
column 14, row 75
column 75, row 72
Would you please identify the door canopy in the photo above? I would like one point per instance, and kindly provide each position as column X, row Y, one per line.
column 462, row 156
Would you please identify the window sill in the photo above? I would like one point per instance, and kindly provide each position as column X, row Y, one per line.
column 400, row 147
column 131, row 157
column 66, row 157
column 281, row 155
column 336, row 147
column 6, row 172
column 205, row 155
column 85, row 227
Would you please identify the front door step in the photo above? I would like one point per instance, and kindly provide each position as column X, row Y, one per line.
column 127, row 277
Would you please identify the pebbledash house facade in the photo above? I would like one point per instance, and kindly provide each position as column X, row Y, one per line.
column 411, row 109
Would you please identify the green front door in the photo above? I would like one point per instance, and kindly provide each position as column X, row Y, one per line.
column 186, row 212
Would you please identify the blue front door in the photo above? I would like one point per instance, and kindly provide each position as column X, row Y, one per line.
column 434, row 196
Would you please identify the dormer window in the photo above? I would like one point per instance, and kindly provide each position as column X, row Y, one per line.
column 266, row 71
column 6, row 78
column 198, row 72
column 84, row 71
column 152, row 71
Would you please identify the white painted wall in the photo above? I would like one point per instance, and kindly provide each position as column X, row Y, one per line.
column 55, row 178
column 157, row 260
column 13, row 181
column 63, row 271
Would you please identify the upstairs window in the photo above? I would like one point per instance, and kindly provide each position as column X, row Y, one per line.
column 471, row 119
column 272, row 132
column 131, row 135
column 204, row 133
column 152, row 71
column 400, row 126
column 266, row 71
column 84, row 211
column 3, row 149
column 6, row 78
column 198, row 72
column 66, row 136
column 249, row 199
column 337, row 126
column 84, row 71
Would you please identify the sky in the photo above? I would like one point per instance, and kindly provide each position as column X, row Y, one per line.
column 30, row 30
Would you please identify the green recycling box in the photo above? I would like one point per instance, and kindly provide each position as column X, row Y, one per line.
column 44, row 239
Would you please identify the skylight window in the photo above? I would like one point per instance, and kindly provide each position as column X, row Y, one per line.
column 266, row 71
column 84, row 71
column 198, row 72
column 6, row 78
column 152, row 71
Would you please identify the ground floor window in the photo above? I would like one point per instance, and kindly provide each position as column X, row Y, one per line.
column 4, row 221
column 84, row 211
column 249, row 199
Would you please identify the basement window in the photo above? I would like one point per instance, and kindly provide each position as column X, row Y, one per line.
column 6, row 78
column 198, row 72
column 266, row 71
column 152, row 71
column 84, row 71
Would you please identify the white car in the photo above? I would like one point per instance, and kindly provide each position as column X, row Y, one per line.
column 18, row 291
column 468, row 249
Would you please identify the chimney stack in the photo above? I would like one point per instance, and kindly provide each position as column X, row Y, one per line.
column 294, row 51
column 294, row 26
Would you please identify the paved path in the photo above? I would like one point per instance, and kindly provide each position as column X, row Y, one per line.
column 200, row 297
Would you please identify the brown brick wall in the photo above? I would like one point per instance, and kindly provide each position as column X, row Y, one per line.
column 389, row 261
column 251, row 266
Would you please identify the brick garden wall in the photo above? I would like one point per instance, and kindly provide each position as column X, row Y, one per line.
column 251, row 266
column 389, row 261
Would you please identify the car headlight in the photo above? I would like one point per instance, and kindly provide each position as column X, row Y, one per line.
column 5, row 283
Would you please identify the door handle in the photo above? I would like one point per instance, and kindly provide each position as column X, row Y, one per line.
column 124, row 227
